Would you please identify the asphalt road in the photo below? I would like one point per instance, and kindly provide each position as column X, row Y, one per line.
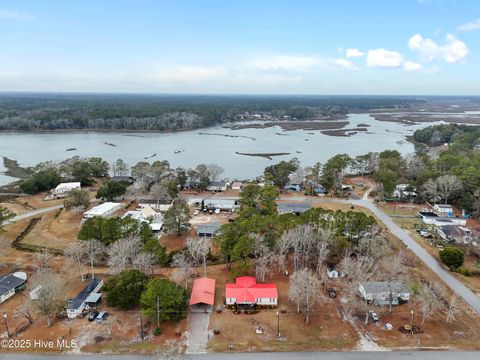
column 410, row 355
column 33, row 213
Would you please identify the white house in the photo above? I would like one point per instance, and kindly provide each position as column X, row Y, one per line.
column 102, row 210
column 443, row 208
column 404, row 191
column 11, row 284
column 148, row 215
column 246, row 291
column 62, row 190
column 237, row 185
column 218, row 186
column 87, row 296
column 381, row 293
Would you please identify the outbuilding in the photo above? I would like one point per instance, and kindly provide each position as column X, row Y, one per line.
column 202, row 297
column 237, row 185
column 443, row 208
column 102, row 210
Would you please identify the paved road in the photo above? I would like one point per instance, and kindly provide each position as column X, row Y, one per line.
column 33, row 213
column 410, row 355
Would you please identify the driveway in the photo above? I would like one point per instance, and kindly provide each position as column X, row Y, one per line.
column 197, row 336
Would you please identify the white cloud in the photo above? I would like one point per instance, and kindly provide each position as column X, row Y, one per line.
column 188, row 74
column 346, row 64
column 354, row 53
column 9, row 14
column 412, row 66
column 453, row 51
column 471, row 26
column 288, row 62
column 381, row 58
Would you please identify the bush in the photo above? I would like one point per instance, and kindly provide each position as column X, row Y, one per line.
column 464, row 271
column 452, row 256
column 157, row 331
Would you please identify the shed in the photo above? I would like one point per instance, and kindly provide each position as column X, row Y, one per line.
column 443, row 208
column 217, row 186
column 202, row 297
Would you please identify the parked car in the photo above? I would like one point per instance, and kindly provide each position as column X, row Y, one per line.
column 332, row 293
column 424, row 233
column 92, row 316
column 373, row 315
column 217, row 211
column 102, row 315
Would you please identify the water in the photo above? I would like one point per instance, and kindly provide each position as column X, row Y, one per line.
column 31, row 148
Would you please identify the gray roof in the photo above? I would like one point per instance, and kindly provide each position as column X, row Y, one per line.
column 377, row 287
column 217, row 183
column 83, row 295
column 9, row 282
column 209, row 229
column 294, row 207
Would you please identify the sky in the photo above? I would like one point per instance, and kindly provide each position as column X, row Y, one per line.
column 347, row 47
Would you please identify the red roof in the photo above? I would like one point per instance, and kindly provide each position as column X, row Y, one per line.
column 246, row 290
column 203, row 291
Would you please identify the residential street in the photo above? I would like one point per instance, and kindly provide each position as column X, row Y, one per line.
column 33, row 213
column 421, row 355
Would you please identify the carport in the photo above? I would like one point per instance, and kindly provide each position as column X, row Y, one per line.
column 203, row 295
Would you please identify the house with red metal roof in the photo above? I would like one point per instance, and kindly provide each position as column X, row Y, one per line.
column 246, row 291
column 203, row 294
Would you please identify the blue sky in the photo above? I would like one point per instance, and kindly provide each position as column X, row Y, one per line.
column 238, row 47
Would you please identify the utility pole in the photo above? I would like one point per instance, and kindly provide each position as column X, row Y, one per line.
column 6, row 323
column 278, row 324
column 141, row 325
column 158, row 312
column 411, row 324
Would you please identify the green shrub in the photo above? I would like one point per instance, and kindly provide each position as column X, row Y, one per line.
column 464, row 271
column 452, row 256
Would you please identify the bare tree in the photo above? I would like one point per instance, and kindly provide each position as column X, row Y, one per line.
column 76, row 256
column 447, row 186
column 197, row 249
column 94, row 250
column 430, row 191
column 264, row 257
column 214, row 171
column 184, row 266
column 431, row 299
column 392, row 272
column 304, row 289
column 44, row 260
column 24, row 311
column 453, row 308
column 49, row 288
column 144, row 262
column 127, row 253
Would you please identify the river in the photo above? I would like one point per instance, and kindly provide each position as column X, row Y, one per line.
column 190, row 148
